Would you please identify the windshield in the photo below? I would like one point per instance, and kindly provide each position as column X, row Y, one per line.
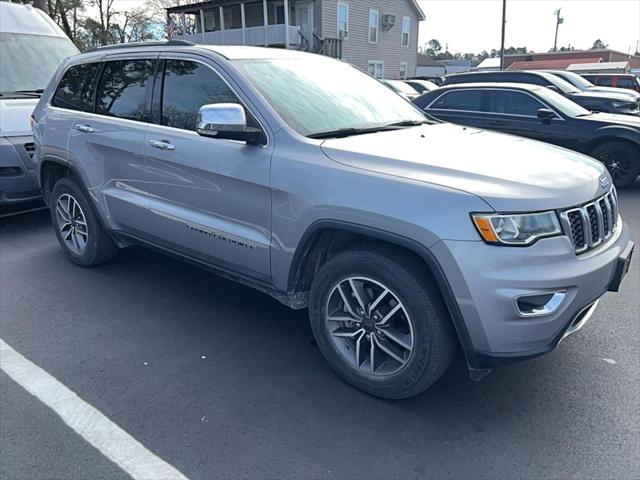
column 576, row 79
column 562, row 104
column 401, row 87
column 33, row 60
column 317, row 95
column 562, row 85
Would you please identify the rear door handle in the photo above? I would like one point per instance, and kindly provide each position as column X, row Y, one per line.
column 162, row 145
column 85, row 128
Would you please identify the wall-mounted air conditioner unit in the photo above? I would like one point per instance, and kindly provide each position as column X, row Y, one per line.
column 388, row 21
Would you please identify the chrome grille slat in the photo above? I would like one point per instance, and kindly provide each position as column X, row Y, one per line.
column 608, row 216
column 589, row 225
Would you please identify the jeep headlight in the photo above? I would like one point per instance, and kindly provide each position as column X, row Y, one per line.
column 516, row 229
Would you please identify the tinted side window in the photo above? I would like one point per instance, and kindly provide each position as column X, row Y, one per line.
column 470, row 100
column 75, row 90
column 187, row 87
column 605, row 81
column 512, row 103
column 122, row 90
column 625, row 82
column 531, row 79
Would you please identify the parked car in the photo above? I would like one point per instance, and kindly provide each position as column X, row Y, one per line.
column 347, row 201
column 594, row 101
column 542, row 114
column 585, row 85
column 31, row 48
column 421, row 86
column 433, row 79
column 615, row 80
column 401, row 88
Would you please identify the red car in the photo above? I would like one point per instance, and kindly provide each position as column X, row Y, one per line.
column 616, row 80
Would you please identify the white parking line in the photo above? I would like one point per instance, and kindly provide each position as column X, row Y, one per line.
column 107, row 437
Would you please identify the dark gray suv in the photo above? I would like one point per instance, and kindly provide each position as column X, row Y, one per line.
column 309, row 180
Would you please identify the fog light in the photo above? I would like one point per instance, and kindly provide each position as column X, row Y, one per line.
column 539, row 303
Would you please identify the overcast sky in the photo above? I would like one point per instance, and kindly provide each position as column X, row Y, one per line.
column 474, row 25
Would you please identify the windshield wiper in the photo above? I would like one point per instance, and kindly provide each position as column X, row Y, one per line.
column 408, row 123
column 348, row 132
column 34, row 93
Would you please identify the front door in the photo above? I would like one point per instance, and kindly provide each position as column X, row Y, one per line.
column 304, row 19
column 516, row 112
column 209, row 198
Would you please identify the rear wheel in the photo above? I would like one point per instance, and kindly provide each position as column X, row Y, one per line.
column 380, row 323
column 77, row 227
column 621, row 159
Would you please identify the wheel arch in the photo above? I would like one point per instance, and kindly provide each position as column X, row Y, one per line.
column 617, row 135
column 325, row 238
column 52, row 169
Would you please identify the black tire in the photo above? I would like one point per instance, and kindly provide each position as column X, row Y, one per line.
column 622, row 159
column 98, row 247
column 434, row 340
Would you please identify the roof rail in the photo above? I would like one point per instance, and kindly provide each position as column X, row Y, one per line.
column 170, row 43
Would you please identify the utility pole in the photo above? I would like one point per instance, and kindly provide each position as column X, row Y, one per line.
column 559, row 20
column 504, row 26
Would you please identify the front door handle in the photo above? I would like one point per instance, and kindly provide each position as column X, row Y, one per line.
column 85, row 128
column 162, row 145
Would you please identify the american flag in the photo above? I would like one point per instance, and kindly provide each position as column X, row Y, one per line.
column 172, row 29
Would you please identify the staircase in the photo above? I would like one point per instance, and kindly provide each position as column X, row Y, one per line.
column 329, row 46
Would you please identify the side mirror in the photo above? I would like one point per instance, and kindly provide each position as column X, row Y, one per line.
column 227, row 121
column 546, row 115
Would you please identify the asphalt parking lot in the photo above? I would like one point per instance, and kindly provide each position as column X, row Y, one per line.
column 221, row 381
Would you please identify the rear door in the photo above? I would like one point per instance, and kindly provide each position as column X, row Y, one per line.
column 463, row 106
column 516, row 112
column 209, row 198
column 108, row 141
column 74, row 94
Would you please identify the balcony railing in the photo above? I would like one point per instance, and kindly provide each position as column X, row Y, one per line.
column 269, row 35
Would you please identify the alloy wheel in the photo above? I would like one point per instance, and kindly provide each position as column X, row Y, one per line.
column 72, row 223
column 618, row 162
column 369, row 326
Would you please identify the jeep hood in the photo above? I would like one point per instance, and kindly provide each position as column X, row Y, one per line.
column 606, row 96
column 510, row 173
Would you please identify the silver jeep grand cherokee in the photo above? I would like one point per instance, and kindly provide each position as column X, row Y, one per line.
column 305, row 178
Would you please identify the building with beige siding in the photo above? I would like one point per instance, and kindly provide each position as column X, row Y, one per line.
column 379, row 36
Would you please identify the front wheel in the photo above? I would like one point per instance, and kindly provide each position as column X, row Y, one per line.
column 380, row 323
column 621, row 159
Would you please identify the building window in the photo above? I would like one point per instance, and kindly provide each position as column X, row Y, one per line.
column 406, row 28
column 403, row 70
column 374, row 19
column 343, row 20
column 376, row 68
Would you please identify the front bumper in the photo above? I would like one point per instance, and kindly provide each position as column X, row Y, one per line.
column 17, row 183
column 486, row 280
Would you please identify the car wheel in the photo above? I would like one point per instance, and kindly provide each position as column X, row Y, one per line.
column 621, row 159
column 380, row 323
column 77, row 228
